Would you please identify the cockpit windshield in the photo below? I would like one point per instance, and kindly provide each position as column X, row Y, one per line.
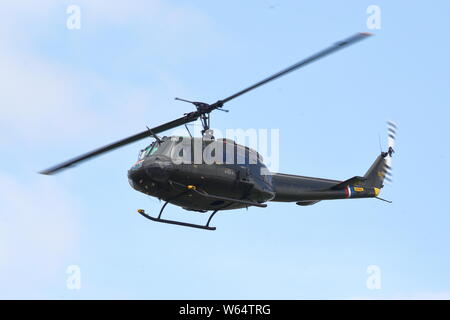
column 151, row 149
column 163, row 148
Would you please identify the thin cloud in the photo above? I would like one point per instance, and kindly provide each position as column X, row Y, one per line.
column 39, row 231
column 47, row 100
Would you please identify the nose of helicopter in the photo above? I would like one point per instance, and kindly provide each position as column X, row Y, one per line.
column 141, row 174
column 136, row 177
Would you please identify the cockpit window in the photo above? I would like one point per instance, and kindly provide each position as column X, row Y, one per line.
column 141, row 154
column 152, row 150
column 148, row 151
column 156, row 148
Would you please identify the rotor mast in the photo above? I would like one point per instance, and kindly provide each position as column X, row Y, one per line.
column 204, row 111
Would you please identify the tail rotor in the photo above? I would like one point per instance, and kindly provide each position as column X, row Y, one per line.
column 392, row 132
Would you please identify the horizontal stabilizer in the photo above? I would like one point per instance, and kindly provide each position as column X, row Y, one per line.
column 307, row 203
column 352, row 181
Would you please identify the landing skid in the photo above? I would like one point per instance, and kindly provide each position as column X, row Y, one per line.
column 191, row 188
column 179, row 223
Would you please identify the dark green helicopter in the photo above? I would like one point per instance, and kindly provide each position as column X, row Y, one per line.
column 174, row 170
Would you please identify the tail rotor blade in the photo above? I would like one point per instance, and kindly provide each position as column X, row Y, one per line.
column 392, row 132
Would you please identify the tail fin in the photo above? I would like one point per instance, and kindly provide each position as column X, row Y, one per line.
column 381, row 169
column 374, row 177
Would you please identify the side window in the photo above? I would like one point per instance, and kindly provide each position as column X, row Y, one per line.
column 228, row 153
column 210, row 151
column 260, row 158
column 182, row 152
column 241, row 156
column 252, row 158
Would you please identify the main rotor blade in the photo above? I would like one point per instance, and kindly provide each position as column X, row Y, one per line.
column 190, row 117
column 335, row 47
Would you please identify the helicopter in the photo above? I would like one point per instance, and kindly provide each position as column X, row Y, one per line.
column 173, row 168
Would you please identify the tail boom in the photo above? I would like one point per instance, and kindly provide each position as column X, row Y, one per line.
column 300, row 189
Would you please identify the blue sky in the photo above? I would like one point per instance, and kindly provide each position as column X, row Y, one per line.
column 68, row 91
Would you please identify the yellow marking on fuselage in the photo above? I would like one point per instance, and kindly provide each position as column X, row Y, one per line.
column 377, row 191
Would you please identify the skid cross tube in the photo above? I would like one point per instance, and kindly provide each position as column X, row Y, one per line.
column 179, row 223
column 193, row 189
column 215, row 211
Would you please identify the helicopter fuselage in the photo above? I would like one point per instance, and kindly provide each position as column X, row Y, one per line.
column 233, row 174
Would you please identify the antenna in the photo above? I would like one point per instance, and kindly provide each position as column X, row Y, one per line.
column 379, row 142
column 388, row 201
column 188, row 130
column 154, row 135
